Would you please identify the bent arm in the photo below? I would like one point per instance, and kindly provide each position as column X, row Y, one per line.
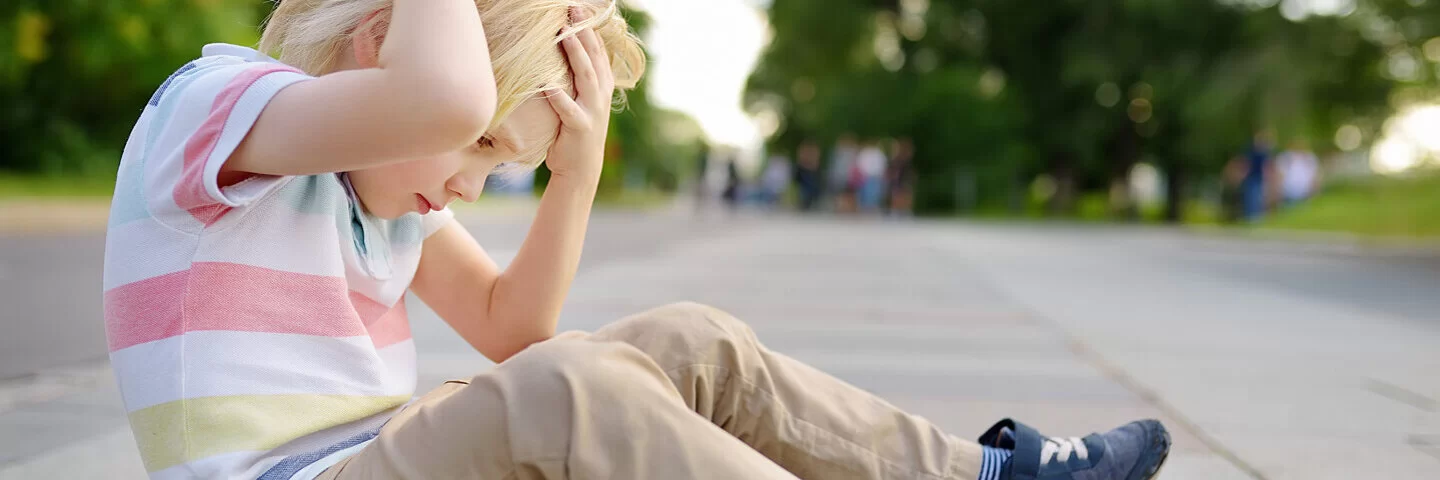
column 432, row 91
column 501, row 313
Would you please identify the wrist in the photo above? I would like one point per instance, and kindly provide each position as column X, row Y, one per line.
column 576, row 181
column 576, row 177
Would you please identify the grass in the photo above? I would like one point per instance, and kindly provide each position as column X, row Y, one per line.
column 634, row 200
column 1095, row 208
column 1376, row 206
column 14, row 185
column 627, row 200
column 1379, row 206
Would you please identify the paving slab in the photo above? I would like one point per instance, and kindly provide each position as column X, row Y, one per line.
column 1264, row 362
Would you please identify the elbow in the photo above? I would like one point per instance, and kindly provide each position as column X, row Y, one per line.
column 456, row 111
column 501, row 350
column 464, row 113
column 508, row 339
column 471, row 106
column 511, row 332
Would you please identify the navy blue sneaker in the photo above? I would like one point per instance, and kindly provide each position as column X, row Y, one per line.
column 1134, row 451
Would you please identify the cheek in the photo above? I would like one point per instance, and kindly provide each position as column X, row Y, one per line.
column 399, row 182
column 418, row 175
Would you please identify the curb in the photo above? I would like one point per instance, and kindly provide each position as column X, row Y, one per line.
column 62, row 215
column 48, row 216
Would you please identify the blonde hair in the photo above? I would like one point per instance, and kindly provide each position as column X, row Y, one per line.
column 523, row 35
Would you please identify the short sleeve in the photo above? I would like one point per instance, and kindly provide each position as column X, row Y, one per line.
column 434, row 221
column 197, row 122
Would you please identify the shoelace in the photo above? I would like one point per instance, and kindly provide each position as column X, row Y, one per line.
column 1060, row 449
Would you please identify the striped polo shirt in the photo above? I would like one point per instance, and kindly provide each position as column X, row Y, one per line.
column 257, row 330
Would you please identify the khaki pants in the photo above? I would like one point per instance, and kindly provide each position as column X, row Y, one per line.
column 684, row 391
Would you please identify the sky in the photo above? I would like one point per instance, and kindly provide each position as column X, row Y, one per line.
column 701, row 52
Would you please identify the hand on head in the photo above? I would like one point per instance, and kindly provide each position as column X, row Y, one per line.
column 585, row 111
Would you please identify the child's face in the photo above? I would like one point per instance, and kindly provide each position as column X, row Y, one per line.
column 424, row 183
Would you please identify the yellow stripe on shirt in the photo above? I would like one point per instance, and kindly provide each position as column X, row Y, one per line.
column 219, row 425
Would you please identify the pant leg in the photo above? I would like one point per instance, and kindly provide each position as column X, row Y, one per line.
column 811, row 423
column 564, row 408
column 869, row 194
column 1253, row 192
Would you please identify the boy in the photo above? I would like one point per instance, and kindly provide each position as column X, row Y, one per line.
column 270, row 215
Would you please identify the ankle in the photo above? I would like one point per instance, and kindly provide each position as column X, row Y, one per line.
column 992, row 462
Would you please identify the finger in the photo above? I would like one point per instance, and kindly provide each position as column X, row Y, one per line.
column 580, row 67
column 578, row 15
column 569, row 112
column 599, row 59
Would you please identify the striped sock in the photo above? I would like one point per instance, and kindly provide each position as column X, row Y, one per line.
column 992, row 461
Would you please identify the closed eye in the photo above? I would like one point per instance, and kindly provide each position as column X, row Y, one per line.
column 485, row 142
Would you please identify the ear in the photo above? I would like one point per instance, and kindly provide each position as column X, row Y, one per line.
column 366, row 40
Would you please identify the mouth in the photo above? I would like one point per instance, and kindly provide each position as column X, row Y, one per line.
column 423, row 205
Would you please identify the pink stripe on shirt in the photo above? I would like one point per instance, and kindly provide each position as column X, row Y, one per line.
column 230, row 296
column 146, row 310
column 190, row 194
column 387, row 326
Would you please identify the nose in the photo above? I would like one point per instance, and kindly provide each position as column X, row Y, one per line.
column 467, row 187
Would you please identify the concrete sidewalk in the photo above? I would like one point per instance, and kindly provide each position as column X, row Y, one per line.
column 1258, row 374
column 44, row 215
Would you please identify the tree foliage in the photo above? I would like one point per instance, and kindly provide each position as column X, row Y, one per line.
column 998, row 92
column 75, row 74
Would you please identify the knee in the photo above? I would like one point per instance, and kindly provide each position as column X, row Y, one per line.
column 684, row 326
column 563, row 384
column 559, row 367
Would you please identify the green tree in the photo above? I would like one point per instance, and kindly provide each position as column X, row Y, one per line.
column 825, row 79
column 1079, row 90
column 74, row 73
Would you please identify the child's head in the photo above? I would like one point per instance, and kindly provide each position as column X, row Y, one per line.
column 322, row 36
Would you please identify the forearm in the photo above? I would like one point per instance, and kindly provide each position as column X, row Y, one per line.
column 527, row 298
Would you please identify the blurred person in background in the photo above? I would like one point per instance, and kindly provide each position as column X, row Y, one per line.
column 732, row 194
column 1232, row 199
column 870, row 165
column 1259, row 176
column 775, row 181
column 807, row 174
column 1299, row 172
column 841, row 188
column 702, row 175
column 900, row 178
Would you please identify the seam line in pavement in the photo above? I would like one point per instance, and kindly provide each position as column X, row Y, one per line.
column 1119, row 375
column 52, row 383
column 1425, row 445
column 1401, row 395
